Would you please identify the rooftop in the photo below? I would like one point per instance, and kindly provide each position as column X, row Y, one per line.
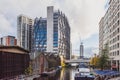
column 13, row 49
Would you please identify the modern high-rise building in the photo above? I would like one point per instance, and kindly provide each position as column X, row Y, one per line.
column 8, row 41
column 52, row 34
column 24, row 32
column 101, row 35
column 109, row 32
column 40, row 34
column 58, row 32
column 81, row 50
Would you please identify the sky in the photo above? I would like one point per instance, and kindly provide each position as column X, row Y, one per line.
column 83, row 17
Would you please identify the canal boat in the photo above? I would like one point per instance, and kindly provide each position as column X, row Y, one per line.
column 84, row 73
column 79, row 77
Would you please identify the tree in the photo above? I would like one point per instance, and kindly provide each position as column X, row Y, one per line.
column 91, row 61
column 103, row 59
column 29, row 70
column 94, row 61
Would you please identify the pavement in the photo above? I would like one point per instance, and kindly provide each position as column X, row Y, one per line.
column 31, row 77
column 117, row 78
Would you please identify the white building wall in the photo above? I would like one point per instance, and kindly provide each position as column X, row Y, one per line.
column 23, row 27
column 111, row 31
column 4, row 40
column 50, row 12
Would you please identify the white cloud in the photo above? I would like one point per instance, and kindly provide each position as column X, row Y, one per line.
column 83, row 15
column 5, row 26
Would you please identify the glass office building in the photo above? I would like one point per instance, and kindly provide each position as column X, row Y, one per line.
column 40, row 34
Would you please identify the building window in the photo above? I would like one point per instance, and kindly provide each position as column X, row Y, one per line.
column 118, row 15
column 113, row 53
column 117, row 52
column 118, row 5
column 117, row 45
column 55, row 44
column 118, row 22
column 118, row 30
column 118, row 37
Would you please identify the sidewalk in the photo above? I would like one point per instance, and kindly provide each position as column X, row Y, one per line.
column 118, row 78
column 31, row 77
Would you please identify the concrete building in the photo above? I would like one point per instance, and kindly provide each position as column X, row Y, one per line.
column 24, row 32
column 101, row 35
column 8, row 41
column 70, row 50
column 109, row 32
column 58, row 33
column 81, row 50
column 13, row 62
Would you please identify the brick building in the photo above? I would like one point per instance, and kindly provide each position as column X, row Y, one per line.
column 45, row 61
column 40, row 63
column 8, row 41
column 13, row 61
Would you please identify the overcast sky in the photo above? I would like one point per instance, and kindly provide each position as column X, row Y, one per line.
column 83, row 16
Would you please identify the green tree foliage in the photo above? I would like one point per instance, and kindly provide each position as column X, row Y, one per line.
column 94, row 61
column 29, row 70
column 103, row 59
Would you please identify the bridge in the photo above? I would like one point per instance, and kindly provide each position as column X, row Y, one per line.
column 78, row 61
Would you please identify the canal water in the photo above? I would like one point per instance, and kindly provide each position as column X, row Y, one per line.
column 63, row 74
